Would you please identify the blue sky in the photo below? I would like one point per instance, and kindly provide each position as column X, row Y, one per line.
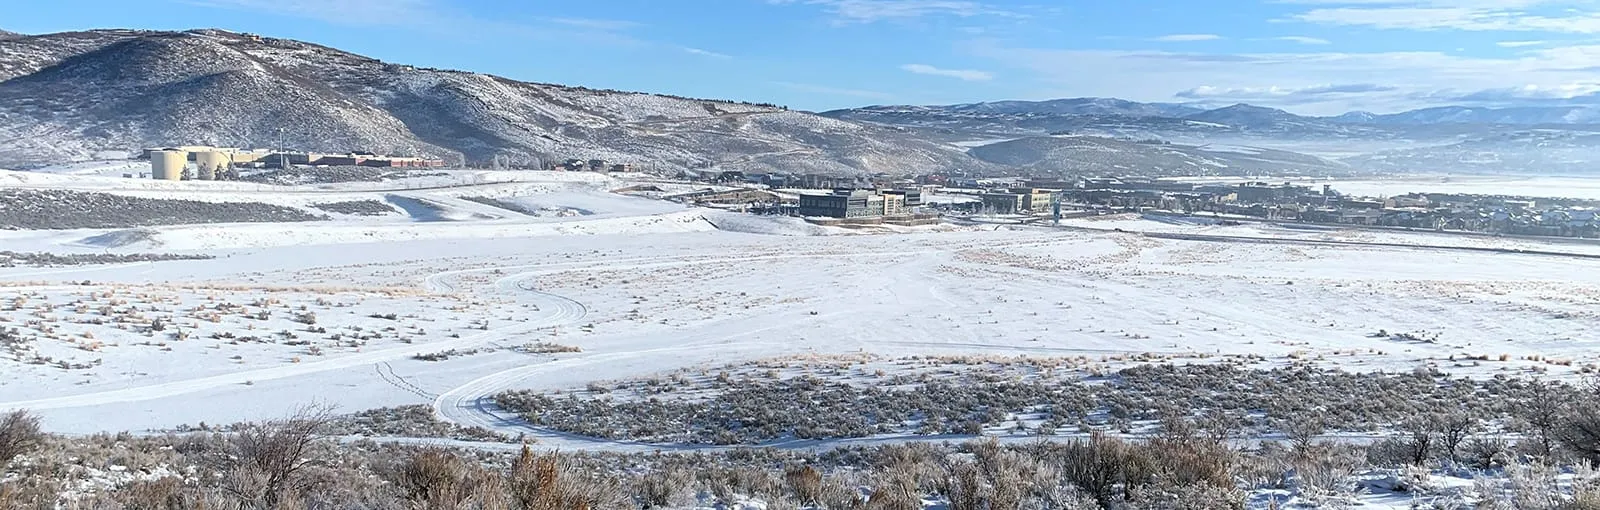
column 1307, row 56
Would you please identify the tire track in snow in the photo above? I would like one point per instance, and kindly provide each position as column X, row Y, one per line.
column 387, row 373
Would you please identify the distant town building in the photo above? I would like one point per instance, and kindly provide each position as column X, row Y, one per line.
column 842, row 203
column 1002, row 203
column 894, row 204
column 912, row 198
column 1034, row 199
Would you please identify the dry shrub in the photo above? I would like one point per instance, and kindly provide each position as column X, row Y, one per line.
column 1101, row 465
column 663, row 488
column 805, row 483
column 726, row 483
column 167, row 493
column 894, row 493
column 965, row 487
column 1326, row 470
column 1181, row 457
column 841, row 493
column 543, row 482
column 261, row 464
column 436, row 479
column 1534, row 486
column 1185, row 497
column 30, row 493
column 19, row 435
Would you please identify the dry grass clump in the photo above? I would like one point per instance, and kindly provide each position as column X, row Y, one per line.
column 279, row 465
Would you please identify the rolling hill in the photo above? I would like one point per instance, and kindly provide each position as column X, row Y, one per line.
column 1093, row 155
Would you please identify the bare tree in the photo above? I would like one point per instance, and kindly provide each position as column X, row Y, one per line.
column 1220, row 425
column 263, row 461
column 1302, row 431
column 1418, row 440
column 1579, row 425
column 1541, row 415
column 19, row 434
column 1453, row 429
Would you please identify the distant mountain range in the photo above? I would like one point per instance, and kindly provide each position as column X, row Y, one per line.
column 1245, row 114
column 1534, row 139
column 103, row 93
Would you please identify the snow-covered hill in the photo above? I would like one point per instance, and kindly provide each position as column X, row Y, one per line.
column 73, row 95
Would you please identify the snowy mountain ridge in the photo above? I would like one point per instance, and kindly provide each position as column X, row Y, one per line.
column 79, row 95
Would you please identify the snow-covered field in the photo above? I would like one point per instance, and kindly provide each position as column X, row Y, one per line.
column 345, row 310
column 646, row 294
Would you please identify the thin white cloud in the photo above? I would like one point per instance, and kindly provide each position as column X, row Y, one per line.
column 1303, row 40
column 833, row 91
column 962, row 74
column 1561, row 16
column 1520, row 44
column 872, row 11
column 707, row 53
column 595, row 24
column 1188, row 37
column 1475, row 4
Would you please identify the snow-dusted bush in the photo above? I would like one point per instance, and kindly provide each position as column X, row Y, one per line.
column 64, row 209
column 406, row 421
column 357, row 208
column 13, row 259
column 1298, row 401
column 322, row 175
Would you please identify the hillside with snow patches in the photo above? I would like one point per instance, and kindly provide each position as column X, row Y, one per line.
column 85, row 95
column 1110, row 156
column 1453, row 139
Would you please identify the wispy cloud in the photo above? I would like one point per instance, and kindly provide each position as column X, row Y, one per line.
column 833, row 91
column 595, row 24
column 1303, row 40
column 872, row 11
column 1519, row 44
column 706, row 53
column 1563, row 16
column 1187, row 37
column 962, row 74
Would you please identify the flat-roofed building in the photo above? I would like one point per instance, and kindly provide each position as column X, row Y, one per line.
column 842, row 203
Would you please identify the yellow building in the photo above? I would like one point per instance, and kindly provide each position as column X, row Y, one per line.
column 894, row 205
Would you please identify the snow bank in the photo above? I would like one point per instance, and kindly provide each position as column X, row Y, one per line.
column 766, row 225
